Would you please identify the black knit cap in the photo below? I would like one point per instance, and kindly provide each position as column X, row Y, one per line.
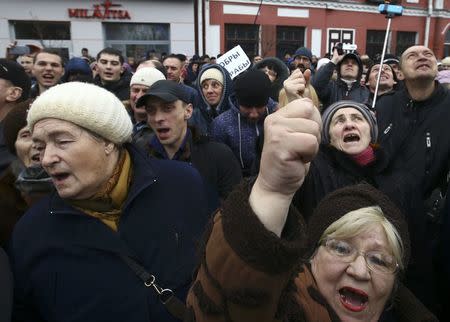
column 14, row 121
column 252, row 88
column 14, row 72
column 342, row 201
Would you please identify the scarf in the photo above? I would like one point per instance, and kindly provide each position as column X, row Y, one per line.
column 364, row 158
column 107, row 203
column 312, row 303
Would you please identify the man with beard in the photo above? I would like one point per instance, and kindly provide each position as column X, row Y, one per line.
column 48, row 69
column 241, row 126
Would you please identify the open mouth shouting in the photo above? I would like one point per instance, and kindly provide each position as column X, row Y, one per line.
column 353, row 299
column 163, row 133
column 48, row 78
column 58, row 178
column 351, row 137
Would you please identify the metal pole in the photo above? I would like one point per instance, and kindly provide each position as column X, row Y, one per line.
column 381, row 62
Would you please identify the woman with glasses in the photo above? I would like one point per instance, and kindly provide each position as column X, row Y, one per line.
column 261, row 262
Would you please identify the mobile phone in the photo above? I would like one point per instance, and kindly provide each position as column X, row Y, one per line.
column 19, row 50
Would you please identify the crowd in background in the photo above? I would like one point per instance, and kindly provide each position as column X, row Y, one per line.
column 383, row 125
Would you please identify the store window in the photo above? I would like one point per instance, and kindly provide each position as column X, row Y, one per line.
column 289, row 39
column 245, row 35
column 374, row 42
column 136, row 40
column 405, row 39
column 50, row 34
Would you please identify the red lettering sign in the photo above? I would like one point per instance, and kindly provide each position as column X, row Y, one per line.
column 100, row 11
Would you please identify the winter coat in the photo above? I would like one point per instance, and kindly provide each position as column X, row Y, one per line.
column 204, row 114
column 67, row 264
column 282, row 74
column 415, row 135
column 120, row 88
column 239, row 133
column 333, row 169
column 6, row 289
column 331, row 91
column 214, row 161
column 247, row 273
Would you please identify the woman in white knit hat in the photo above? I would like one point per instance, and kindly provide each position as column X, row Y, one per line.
column 111, row 203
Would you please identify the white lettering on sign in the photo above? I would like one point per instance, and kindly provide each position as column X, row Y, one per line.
column 235, row 61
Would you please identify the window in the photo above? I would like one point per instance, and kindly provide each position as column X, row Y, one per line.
column 42, row 30
column 289, row 39
column 245, row 35
column 136, row 40
column 374, row 42
column 447, row 43
column 405, row 39
column 346, row 36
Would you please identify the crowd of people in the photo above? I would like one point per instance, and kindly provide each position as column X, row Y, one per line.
column 164, row 190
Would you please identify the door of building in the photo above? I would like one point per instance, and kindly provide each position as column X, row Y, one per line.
column 339, row 35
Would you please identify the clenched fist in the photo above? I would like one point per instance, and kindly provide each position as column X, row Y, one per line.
column 291, row 141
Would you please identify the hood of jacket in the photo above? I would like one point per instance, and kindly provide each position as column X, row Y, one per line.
column 358, row 61
column 282, row 74
column 227, row 89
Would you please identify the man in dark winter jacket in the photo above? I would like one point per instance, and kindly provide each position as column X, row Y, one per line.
column 413, row 122
column 168, row 112
column 347, row 85
column 112, row 76
column 215, row 86
column 6, row 289
column 74, row 254
column 242, row 124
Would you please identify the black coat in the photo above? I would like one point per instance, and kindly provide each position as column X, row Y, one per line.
column 416, row 135
column 6, row 287
column 333, row 169
column 331, row 91
column 121, row 88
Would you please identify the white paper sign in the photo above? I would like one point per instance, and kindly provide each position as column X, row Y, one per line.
column 235, row 61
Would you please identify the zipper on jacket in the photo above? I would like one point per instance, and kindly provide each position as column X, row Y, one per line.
column 428, row 152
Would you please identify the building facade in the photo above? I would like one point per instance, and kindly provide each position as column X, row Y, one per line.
column 135, row 27
column 274, row 27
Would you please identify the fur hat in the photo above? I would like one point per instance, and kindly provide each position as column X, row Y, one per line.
column 329, row 112
column 146, row 76
column 342, row 201
column 252, row 88
column 212, row 73
column 86, row 105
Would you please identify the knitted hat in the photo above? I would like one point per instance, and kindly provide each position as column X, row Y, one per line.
column 303, row 51
column 212, row 73
column 252, row 88
column 363, row 109
column 146, row 76
column 342, row 201
column 86, row 105
column 15, row 73
column 14, row 121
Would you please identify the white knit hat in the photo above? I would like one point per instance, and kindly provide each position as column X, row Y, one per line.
column 146, row 76
column 86, row 105
column 212, row 73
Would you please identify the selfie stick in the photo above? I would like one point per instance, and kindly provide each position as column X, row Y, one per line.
column 390, row 11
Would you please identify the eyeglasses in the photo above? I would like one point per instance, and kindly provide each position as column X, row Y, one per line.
column 376, row 261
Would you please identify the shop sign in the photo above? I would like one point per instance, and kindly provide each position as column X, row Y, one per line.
column 101, row 11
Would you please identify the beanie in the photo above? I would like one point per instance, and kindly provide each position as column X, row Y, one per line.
column 212, row 73
column 342, row 201
column 363, row 109
column 146, row 76
column 14, row 121
column 252, row 88
column 86, row 105
column 303, row 51
column 15, row 73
